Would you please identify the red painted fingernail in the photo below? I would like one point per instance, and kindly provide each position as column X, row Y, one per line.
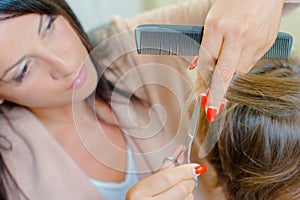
column 194, row 63
column 221, row 108
column 204, row 98
column 200, row 169
column 191, row 67
column 211, row 114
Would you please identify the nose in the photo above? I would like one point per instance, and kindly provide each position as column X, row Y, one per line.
column 60, row 62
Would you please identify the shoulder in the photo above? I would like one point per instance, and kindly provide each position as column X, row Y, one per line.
column 103, row 31
column 18, row 120
column 9, row 114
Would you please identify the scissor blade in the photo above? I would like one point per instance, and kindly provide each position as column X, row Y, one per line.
column 195, row 118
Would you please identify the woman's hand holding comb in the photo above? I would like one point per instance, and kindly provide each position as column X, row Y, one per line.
column 236, row 35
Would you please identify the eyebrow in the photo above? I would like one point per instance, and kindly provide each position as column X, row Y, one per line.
column 23, row 58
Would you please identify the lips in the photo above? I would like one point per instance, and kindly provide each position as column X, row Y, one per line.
column 80, row 79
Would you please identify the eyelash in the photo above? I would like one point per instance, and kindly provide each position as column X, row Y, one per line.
column 49, row 26
column 51, row 21
column 22, row 72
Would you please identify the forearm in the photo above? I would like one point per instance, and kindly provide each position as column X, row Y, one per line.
column 192, row 12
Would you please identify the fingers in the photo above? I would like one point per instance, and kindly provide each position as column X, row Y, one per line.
column 180, row 179
column 246, row 61
column 209, row 51
column 236, row 40
column 168, row 178
column 190, row 197
column 222, row 75
column 182, row 190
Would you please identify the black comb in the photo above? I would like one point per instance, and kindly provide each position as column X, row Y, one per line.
column 158, row 39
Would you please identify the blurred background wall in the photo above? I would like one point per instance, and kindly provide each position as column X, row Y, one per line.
column 93, row 13
column 96, row 12
column 291, row 24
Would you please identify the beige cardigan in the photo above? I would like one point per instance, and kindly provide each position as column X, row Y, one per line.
column 42, row 168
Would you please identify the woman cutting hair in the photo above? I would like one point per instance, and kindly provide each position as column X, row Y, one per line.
column 83, row 121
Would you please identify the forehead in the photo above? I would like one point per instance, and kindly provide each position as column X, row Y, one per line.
column 15, row 23
column 16, row 36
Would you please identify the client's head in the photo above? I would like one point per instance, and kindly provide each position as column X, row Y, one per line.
column 257, row 155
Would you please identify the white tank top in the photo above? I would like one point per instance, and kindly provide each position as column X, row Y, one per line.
column 117, row 191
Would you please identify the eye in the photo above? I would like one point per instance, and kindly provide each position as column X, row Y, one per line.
column 22, row 71
column 50, row 22
column 49, row 26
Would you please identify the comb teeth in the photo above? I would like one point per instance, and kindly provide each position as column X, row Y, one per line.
column 168, row 40
column 169, row 44
column 281, row 49
column 157, row 39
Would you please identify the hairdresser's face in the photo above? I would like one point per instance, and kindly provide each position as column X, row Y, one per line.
column 42, row 61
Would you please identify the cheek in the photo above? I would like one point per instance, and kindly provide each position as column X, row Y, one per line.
column 33, row 95
column 25, row 96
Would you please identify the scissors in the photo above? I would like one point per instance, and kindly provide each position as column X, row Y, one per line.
column 189, row 138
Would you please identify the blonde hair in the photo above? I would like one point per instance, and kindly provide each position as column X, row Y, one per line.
column 257, row 155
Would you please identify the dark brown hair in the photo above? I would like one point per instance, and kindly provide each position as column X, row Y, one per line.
column 257, row 155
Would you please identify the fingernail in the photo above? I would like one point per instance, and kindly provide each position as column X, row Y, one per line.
column 200, row 169
column 204, row 99
column 211, row 114
column 221, row 108
column 194, row 63
column 191, row 67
